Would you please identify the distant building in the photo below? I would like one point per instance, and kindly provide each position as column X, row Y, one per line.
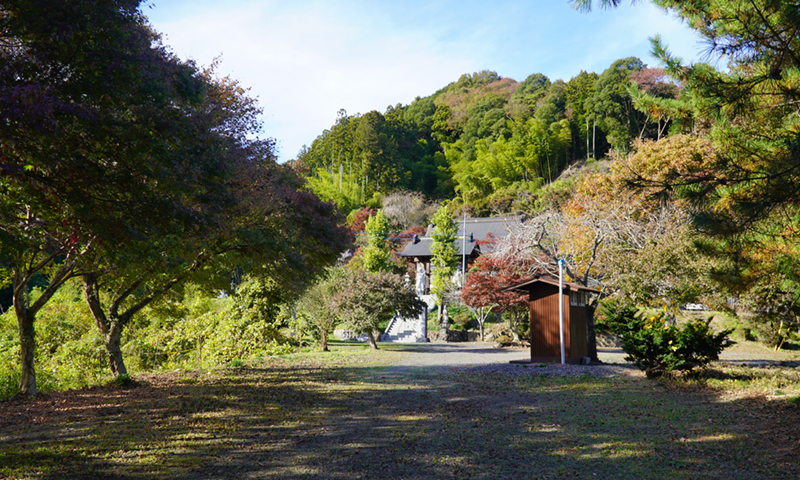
column 470, row 236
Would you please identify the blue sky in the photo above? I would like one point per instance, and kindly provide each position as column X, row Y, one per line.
column 305, row 59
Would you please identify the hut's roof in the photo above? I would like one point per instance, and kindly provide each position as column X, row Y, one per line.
column 529, row 284
column 477, row 229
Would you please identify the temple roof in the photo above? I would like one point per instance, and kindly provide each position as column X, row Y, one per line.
column 477, row 229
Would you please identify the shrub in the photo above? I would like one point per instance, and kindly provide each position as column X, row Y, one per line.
column 201, row 329
column 461, row 317
column 657, row 347
column 504, row 339
column 69, row 350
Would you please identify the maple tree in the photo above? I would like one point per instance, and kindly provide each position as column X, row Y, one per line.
column 132, row 169
column 93, row 136
column 484, row 291
column 316, row 309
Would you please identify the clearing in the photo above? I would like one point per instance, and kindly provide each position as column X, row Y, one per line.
column 430, row 411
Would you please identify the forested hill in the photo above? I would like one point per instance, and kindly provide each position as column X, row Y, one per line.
column 484, row 140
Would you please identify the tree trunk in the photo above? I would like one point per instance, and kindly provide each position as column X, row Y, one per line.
column 323, row 341
column 110, row 326
column 112, row 340
column 481, row 317
column 26, row 316
column 587, row 138
column 591, row 333
column 514, row 320
column 372, row 344
column 27, row 346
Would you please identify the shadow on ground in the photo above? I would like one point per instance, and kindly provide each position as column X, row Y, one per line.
column 306, row 419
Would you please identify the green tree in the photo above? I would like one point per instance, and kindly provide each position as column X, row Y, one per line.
column 578, row 90
column 364, row 300
column 377, row 255
column 268, row 229
column 612, row 106
column 747, row 110
column 742, row 182
column 528, row 95
column 444, row 256
column 316, row 307
column 94, row 140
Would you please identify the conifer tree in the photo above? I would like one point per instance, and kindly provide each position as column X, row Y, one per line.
column 444, row 256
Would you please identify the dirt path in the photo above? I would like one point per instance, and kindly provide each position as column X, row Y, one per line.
column 457, row 354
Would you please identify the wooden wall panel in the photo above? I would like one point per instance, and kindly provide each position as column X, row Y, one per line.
column 545, row 339
column 578, row 333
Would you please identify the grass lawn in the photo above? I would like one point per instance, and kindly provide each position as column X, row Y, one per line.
column 344, row 415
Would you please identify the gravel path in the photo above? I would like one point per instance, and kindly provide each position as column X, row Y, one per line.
column 459, row 354
column 485, row 358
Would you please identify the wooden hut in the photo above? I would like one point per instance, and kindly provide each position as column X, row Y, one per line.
column 544, row 331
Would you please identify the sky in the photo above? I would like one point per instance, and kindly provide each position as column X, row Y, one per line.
column 304, row 60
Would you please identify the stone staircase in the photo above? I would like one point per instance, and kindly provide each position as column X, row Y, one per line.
column 408, row 330
column 402, row 330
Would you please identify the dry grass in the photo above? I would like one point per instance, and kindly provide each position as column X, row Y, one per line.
column 345, row 416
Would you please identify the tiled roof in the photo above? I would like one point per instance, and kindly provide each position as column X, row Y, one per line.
column 477, row 229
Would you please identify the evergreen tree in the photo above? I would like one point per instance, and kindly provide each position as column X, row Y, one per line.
column 377, row 255
column 444, row 256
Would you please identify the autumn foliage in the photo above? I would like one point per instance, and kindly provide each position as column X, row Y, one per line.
column 484, row 290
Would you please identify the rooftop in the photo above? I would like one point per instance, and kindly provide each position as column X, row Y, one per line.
column 477, row 229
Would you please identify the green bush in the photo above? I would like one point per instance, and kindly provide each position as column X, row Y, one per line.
column 504, row 339
column 9, row 354
column 198, row 329
column 69, row 350
column 657, row 347
column 190, row 327
column 771, row 328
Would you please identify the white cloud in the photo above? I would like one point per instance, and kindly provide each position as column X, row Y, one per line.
column 307, row 59
column 305, row 65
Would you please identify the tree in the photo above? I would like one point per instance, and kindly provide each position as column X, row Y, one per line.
column 364, row 299
column 528, row 95
column 743, row 183
column 135, row 131
column 747, row 111
column 407, row 209
column 653, row 93
column 377, row 256
column 443, row 256
column 596, row 232
column 483, row 291
column 612, row 106
column 317, row 309
column 92, row 136
column 270, row 230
